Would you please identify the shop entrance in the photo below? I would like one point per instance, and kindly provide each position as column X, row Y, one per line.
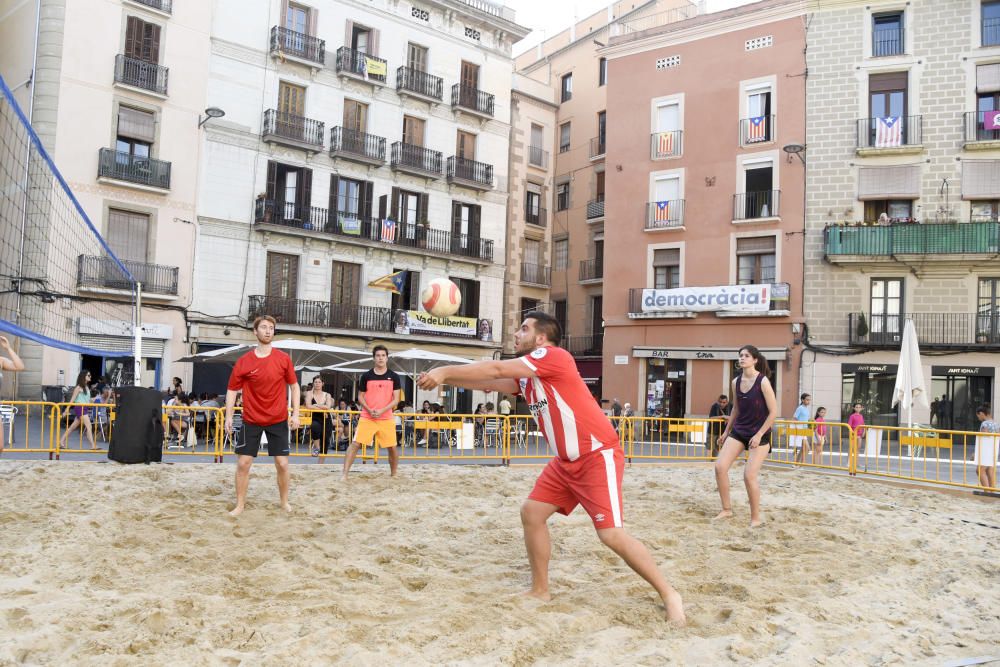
column 666, row 388
column 956, row 392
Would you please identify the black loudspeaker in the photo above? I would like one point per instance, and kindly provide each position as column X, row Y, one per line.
column 137, row 436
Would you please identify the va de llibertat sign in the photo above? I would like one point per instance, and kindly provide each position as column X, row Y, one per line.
column 740, row 298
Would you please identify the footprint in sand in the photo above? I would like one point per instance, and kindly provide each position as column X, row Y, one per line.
column 416, row 583
column 738, row 547
column 730, row 591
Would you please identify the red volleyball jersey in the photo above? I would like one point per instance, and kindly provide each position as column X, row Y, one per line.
column 264, row 381
column 560, row 402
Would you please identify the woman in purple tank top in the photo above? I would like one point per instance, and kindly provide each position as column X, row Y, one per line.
column 748, row 429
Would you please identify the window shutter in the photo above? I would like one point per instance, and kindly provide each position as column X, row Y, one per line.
column 473, row 310
column 456, row 220
column 988, row 78
column 292, row 286
column 422, row 204
column 353, row 287
column 888, row 81
column 128, row 235
column 135, row 124
column 152, row 46
column 334, row 206
column 373, row 42
column 981, row 179
column 133, row 37
column 754, row 245
column 272, row 180
column 670, row 256
column 394, row 205
column 367, row 193
column 900, row 182
column 414, row 288
column 474, row 223
column 349, row 35
column 305, row 194
column 382, row 207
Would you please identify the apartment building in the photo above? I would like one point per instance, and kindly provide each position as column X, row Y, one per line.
column 904, row 193
column 115, row 90
column 707, row 197
column 570, row 65
column 360, row 139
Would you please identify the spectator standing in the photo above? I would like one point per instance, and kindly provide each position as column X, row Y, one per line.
column 819, row 438
column 856, row 421
column 801, row 415
column 317, row 400
column 505, row 406
column 986, row 448
column 11, row 363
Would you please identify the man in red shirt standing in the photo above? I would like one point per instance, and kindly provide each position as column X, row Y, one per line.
column 264, row 374
column 589, row 462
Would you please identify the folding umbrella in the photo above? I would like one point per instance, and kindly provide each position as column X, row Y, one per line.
column 910, row 387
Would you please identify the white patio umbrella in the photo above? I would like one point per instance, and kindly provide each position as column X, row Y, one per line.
column 910, row 387
column 302, row 352
column 413, row 362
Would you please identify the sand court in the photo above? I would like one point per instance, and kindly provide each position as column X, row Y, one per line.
column 104, row 564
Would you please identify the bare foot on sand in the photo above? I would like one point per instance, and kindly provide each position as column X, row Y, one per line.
column 724, row 514
column 286, row 507
column 538, row 595
column 756, row 523
column 675, row 610
column 236, row 511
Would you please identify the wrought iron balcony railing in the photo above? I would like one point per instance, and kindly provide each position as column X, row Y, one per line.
column 587, row 345
column 752, row 205
column 975, row 127
column 285, row 127
column 347, row 224
column 958, row 238
column 415, row 81
column 536, row 274
column 934, row 330
column 756, row 130
column 407, row 157
column 598, row 146
column 666, row 144
column 665, row 214
column 890, row 132
column 298, row 45
column 361, row 64
column 592, row 269
column 104, row 273
column 473, row 99
column 595, row 208
column 141, row 74
column 535, row 216
column 165, row 6
column 478, row 174
column 358, row 145
column 127, row 167
column 887, row 41
column 538, row 157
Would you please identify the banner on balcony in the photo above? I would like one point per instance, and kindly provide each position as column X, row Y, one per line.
column 375, row 67
column 417, row 321
column 739, row 298
column 350, row 225
column 991, row 120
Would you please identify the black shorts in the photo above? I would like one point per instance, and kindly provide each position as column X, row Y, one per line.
column 745, row 439
column 277, row 439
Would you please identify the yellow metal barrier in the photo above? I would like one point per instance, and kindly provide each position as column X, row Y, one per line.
column 668, row 438
column 828, row 445
column 27, row 426
column 426, row 437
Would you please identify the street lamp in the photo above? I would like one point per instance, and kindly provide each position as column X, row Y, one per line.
column 210, row 113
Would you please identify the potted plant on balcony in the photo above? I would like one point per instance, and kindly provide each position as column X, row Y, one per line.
column 862, row 327
column 982, row 336
column 263, row 211
column 423, row 227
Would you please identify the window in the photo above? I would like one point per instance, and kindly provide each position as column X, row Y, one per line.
column 894, row 210
column 532, row 252
column 290, row 190
column 561, row 254
column 986, row 211
column 559, row 308
column 529, row 305
column 564, row 137
column 349, row 197
column 665, row 209
column 887, row 34
column 533, row 208
column 602, row 75
column 602, row 130
column 537, row 142
column 409, row 296
column 755, row 260
column 599, row 186
column 759, row 200
column 408, row 206
column 282, row 277
column 135, row 134
column 142, row 40
column 991, row 23
column 416, row 57
column 361, row 39
column 562, row 196
column 667, row 129
column 886, row 310
column 470, row 296
column 128, row 235
column 988, row 311
column 567, row 87
column 291, row 99
column 469, row 76
column 666, row 268
column 297, row 18
column 345, row 287
column 356, row 116
column 887, row 95
column 466, row 220
column 413, row 131
column 465, row 145
column 757, row 126
column 987, row 100
column 596, row 315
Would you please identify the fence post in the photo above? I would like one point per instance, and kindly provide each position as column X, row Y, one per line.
column 852, row 457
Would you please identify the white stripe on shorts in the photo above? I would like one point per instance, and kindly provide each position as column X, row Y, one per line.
column 609, row 468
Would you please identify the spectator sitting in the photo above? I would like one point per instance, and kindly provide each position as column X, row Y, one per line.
column 178, row 420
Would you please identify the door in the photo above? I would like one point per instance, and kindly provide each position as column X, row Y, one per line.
column 887, row 98
column 297, row 19
column 142, row 41
column 759, row 106
column 757, row 202
column 413, row 131
column 468, row 92
column 355, row 127
column 345, row 292
column 599, row 262
column 465, row 229
column 291, row 109
column 282, row 286
column 466, row 145
column 416, row 57
column 602, row 129
column 599, row 186
column 887, row 310
column 597, row 314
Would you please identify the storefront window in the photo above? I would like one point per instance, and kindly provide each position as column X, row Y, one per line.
column 666, row 387
column 872, row 385
column 956, row 392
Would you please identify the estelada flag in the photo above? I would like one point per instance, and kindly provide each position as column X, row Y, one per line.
column 392, row 282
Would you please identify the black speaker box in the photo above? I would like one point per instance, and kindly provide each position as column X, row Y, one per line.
column 137, row 435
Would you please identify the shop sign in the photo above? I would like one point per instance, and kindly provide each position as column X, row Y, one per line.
column 963, row 370
column 869, row 368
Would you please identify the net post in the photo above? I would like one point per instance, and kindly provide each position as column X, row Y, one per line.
column 137, row 328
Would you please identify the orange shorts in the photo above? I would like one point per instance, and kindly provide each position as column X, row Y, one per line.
column 594, row 481
column 367, row 429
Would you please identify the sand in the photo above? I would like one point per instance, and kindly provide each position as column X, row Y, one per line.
column 107, row 564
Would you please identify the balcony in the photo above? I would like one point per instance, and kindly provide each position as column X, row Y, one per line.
column 535, row 216
column 666, row 144
column 298, row 46
column 536, row 274
column 890, row 134
column 467, row 98
column 348, row 225
column 667, row 214
column 589, row 345
column 887, row 41
column 975, row 129
column 165, row 6
column 469, row 173
column 129, row 168
column 595, row 209
column 598, row 147
column 991, row 31
column 291, row 130
column 538, row 157
column 757, row 130
column 419, row 84
column 140, row 74
column 360, row 65
column 935, row 331
column 416, row 160
column 357, row 146
column 104, row 273
column 756, row 205
column 845, row 245
column 591, row 270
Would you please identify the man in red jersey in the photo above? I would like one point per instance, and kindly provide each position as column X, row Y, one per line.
column 264, row 374
column 588, row 464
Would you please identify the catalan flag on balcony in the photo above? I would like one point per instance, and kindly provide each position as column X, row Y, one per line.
column 389, row 228
column 888, row 131
column 375, row 67
column 756, row 129
column 665, row 143
column 393, row 282
column 661, row 213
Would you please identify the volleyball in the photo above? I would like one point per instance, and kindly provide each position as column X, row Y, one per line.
column 441, row 297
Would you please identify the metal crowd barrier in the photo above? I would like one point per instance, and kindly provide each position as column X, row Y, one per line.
column 28, row 426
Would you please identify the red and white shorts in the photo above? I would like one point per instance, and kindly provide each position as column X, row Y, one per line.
column 593, row 480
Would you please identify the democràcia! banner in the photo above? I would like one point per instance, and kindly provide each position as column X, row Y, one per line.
column 740, row 298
